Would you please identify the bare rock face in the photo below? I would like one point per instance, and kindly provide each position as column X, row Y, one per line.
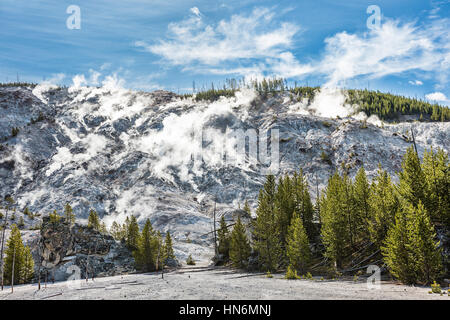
column 67, row 250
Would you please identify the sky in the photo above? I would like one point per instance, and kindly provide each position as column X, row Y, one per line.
column 402, row 46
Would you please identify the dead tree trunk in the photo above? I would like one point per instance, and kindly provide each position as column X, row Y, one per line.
column 3, row 243
column 12, row 274
column 216, row 252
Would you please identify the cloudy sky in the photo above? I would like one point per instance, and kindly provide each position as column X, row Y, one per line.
column 169, row 44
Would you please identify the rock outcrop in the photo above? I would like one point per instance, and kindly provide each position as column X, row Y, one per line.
column 63, row 246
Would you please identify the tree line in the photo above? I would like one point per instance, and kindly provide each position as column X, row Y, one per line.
column 354, row 223
column 150, row 249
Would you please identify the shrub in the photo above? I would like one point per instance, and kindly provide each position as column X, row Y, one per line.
column 291, row 273
column 435, row 287
column 190, row 261
column 269, row 275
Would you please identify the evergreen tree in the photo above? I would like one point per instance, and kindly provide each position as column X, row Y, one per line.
column 247, row 208
column 303, row 204
column 223, row 239
column 397, row 252
column 239, row 246
column 362, row 194
column 168, row 248
column 335, row 235
column 132, row 234
column 298, row 250
column 54, row 217
column 93, row 220
column 384, row 204
column 117, row 231
column 411, row 251
column 436, row 169
column 68, row 214
column 412, row 182
column 427, row 254
column 285, row 205
column 21, row 255
column 266, row 229
column 147, row 248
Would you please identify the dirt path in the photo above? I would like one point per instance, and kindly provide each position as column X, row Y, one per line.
column 203, row 282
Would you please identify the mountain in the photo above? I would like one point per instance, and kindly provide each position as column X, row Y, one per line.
column 157, row 154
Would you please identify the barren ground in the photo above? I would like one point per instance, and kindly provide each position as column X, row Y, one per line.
column 200, row 283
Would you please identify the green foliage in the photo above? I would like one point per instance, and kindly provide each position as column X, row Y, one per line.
column 54, row 217
column 118, row 232
column 17, row 84
column 269, row 275
column 388, row 106
column 132, row 236
column 384, row 204
column 68, row 214
column 168, row 248
column 21, row 255
column 15, row 131
column 190, row 261
column 267, row 230
column 21, row 223
column 325, row 157
column 146, row 253
column 93, row 220
column 412, row 180
column 436, row 287
column 223, row 239
column 298, row 250
column 214, row 94
column 291, row 273
column 436, row 169
column 335, row 224
column 239, row 246
column 410, row 250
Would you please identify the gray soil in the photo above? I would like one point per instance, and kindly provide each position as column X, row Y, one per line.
column 201, row 283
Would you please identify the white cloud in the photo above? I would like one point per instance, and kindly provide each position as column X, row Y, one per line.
column 240, row 39
column 415, row 82
column 436, row 96
column 392, row 49
column 195, row 11
column 258, row 44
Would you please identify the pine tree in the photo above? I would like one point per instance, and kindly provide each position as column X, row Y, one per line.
column 303, row 204
column 412, row 182
column 147, row 248
column 436, row 169
column 132, row 234
column 335, row 235
column 223, row 239
column 68, row 214
column 23, row 261
column 54, row 217
column 398, row 250
column 266, row 228
column 247, row 208
column 168, row 248
column 117, row 231
column 285, row 205
column 427, row 254
column 384, row 204
column 362, row 194
column 239, row 245
column 298, row 250
column 93, row 220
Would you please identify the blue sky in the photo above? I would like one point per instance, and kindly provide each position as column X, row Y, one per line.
column 170, row 44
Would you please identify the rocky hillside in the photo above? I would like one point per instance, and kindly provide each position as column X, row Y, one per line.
column 123, row 152
column 63, row 246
